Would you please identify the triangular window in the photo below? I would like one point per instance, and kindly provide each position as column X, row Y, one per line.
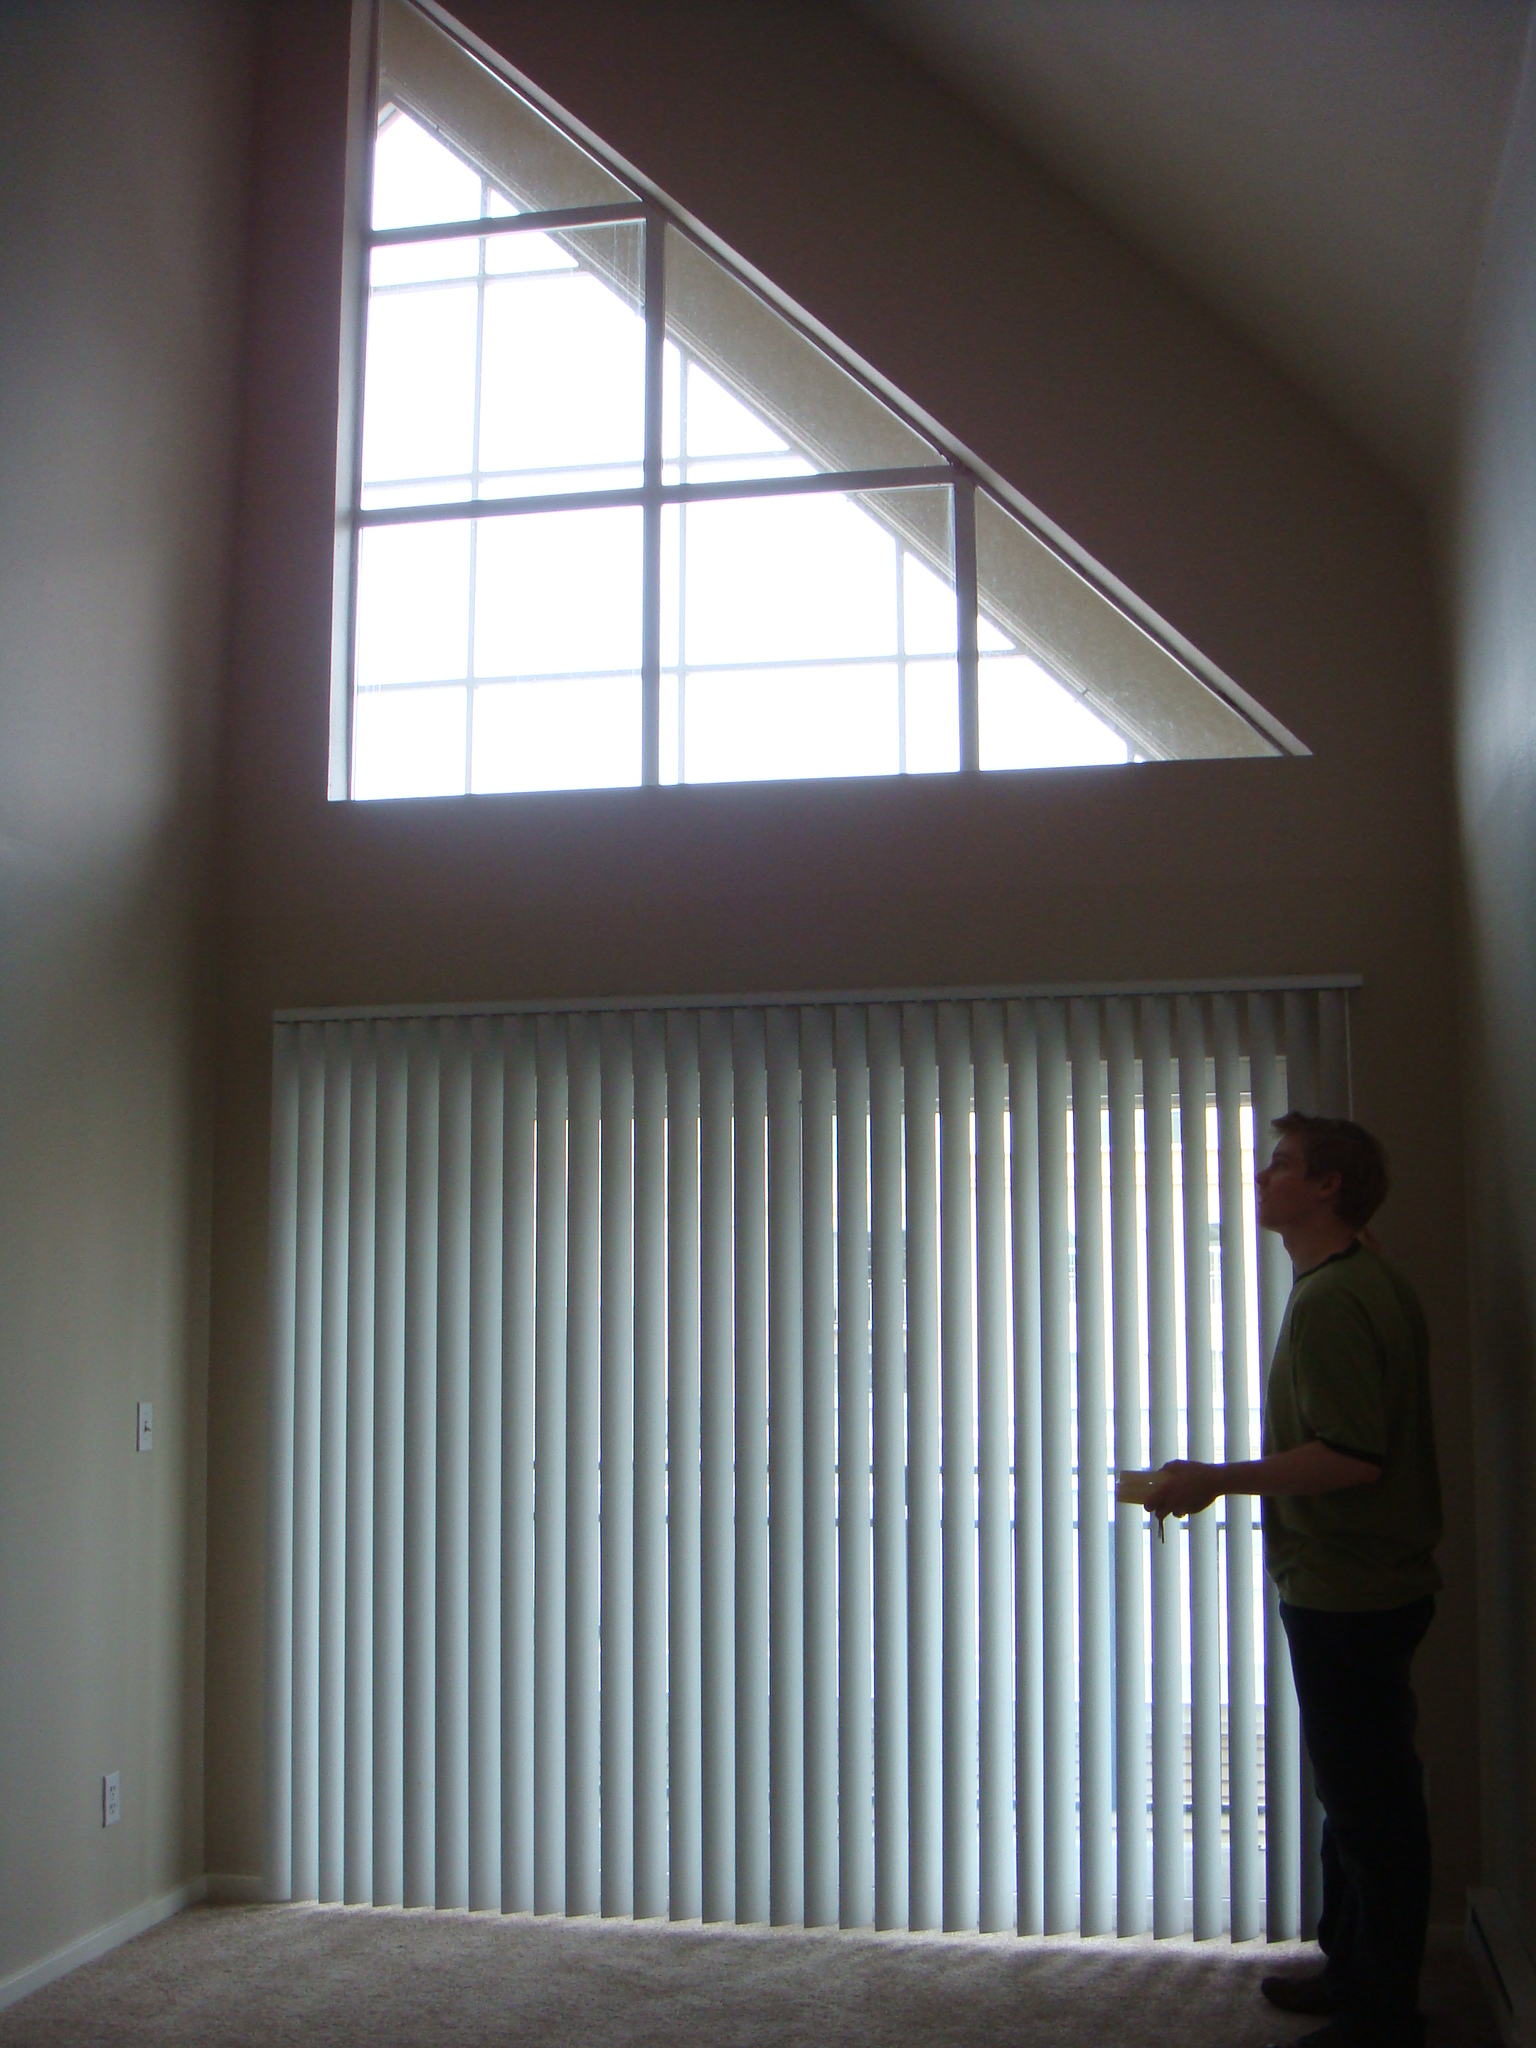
column 615, row 518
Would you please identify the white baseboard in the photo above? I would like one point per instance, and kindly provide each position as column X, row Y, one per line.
column 1504, row 1964
column 85, row 1949
column 226, row 1888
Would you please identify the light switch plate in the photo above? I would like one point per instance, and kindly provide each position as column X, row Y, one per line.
column 146, row 1433
column 111, row 1799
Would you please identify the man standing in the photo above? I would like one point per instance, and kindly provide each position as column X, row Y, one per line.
column 1351, row 1518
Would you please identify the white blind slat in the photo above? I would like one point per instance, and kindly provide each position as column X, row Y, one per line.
column 1130, row 1523
column 888, row 1434
column 1058, row 1606
column 519, row 1123
column 334, row 1292
column 751, row 1420
column 1246, row 1910
column 451, row 1886
column 486, row 1310
column 925, row 1643
column 618, row 1454
column 583, row 1885
column 549, row 1377
column 1204, row 1575
column 717, row 1561
column 819, row 1565
column 996, row 1854
column 957, row 1463
column 361, row 1339
column 855, row 1647
column 308, row 1313
column 786, row 1495
column 389, row 1468
column 1168, row 1915
column 1095, row 1813
column 650, row 1482
column 420, row 1602
column 684, row 1818
column 1028, row 1633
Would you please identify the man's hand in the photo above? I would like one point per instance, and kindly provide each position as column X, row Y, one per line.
column 1183, row 1487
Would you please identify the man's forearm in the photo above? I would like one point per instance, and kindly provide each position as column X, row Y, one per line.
column 1184, row 1487
column 1309, row 1468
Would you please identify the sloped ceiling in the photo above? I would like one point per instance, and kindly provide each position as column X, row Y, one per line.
column 1319, row 171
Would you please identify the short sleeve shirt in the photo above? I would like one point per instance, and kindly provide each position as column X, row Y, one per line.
column 1351, row 1370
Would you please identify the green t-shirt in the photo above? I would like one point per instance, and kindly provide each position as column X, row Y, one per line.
column 1351, row 1368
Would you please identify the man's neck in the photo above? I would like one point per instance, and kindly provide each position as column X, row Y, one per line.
column 1313, row 1244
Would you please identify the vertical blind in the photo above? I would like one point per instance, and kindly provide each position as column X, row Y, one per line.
column 693, row 1434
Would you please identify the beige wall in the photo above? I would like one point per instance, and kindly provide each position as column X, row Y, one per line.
column 122, row 156
column 1496, row 749
column 1185, row 462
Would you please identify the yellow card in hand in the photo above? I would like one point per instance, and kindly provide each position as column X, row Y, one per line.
column 1132, row 1488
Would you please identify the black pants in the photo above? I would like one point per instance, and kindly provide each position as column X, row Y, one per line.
column 1358, row 1715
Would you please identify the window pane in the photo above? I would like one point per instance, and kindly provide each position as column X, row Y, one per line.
column 1029, row 721
column 419, row 391
column 756, row 358
column 416, row 181
column 533, row 162
column 784, row 636
column 408, row 742
column 558, row 593
column 767, row 724
column 932, row 711
column 413, row 603
column 582, row 734
column 563, row 382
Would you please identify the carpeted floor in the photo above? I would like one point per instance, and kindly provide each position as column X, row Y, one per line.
column 338, row 1977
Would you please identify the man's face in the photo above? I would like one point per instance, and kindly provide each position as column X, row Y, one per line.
column 1288, row 1197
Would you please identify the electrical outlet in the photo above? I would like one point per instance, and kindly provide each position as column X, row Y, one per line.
column 111, row 1799
column 146, row 1426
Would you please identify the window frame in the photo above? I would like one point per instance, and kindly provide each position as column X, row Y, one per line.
column 952, row 467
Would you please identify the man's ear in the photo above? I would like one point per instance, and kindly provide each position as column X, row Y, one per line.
column 1327, row 1184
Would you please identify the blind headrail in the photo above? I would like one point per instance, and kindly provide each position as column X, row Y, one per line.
column 979, row 992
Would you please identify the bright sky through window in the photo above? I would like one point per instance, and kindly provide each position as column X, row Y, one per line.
column 799, row 538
